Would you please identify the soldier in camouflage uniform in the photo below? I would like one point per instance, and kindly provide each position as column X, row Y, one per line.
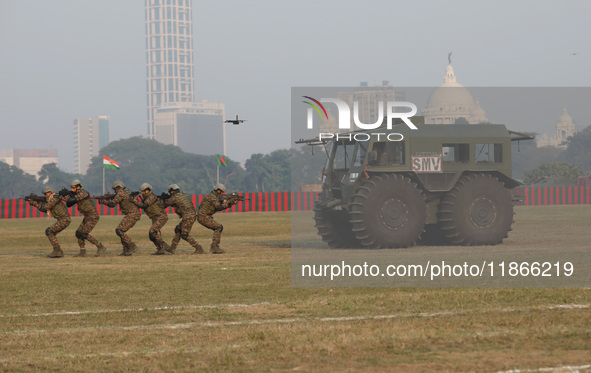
column 185, row 209
column 124, row 199
column 212, row 203
column 152, row 206
column 56, row 208
column 91, row 217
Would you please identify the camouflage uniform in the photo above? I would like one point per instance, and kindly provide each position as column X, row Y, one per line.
column 58, row 210
column 152, row 206
column 184, row 208
column 212, row 203
column 91, row 217
column 132, row 215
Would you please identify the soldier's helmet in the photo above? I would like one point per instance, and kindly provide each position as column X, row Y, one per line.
column 145, row 186
column 118, row 184
column 173, row 187
column 48, row 189
column 76, row 182
column 221, row 187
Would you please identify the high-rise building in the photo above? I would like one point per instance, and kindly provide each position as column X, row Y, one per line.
column 169, row 55
column 29, row 160
column 90, row 136
column 368, row 100
column 195, row 127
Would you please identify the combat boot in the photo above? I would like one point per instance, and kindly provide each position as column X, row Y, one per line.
column 124, row 251
column 56, row 253
column 132, row 248
column 100, row 249
column 215, row 249
column 199, row 249
column 162, row 249
column 172, row 249
column 81, row 254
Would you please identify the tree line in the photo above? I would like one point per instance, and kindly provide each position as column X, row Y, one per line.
column 144, row 160
column 531, row 163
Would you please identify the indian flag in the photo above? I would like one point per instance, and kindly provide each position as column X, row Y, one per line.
column 109, row 163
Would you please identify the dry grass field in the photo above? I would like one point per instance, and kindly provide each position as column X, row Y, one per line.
column 238, row 311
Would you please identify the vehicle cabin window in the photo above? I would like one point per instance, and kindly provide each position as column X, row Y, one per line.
column 386, row 153
column 455, row 153
column 489, row 153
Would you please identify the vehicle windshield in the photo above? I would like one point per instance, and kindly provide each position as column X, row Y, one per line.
column 360, row 153
column 342, row 154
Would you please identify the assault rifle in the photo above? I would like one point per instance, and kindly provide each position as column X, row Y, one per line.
column 233, row 197
column 66, row 193
column 105, row 197
column 36, row 198
column 164, row 196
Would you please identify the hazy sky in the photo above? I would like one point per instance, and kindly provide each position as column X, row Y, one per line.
column 80, row 58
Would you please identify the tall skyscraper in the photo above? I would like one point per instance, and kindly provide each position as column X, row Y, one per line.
column 90, row 136
column 169, row 54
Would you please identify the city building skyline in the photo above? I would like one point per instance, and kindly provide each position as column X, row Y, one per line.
column 184, row 124
column 169, row 55
column 30, row 161
column 90, row 136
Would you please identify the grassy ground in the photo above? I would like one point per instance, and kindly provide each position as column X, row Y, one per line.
column 237, row 311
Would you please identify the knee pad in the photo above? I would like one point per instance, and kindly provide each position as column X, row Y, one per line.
column 119, row 232
column 81, row 235
column 152, row 235
column 177, row 229
column 220, row 228
column 48, row 232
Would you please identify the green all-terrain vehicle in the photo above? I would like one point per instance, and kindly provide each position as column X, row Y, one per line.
column 446, row 183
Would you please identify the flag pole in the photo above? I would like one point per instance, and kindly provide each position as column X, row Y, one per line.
column 103, row 180
column 218, row 177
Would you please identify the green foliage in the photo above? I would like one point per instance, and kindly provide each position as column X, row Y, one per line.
column 143, row 160
column 53, row 176
column 526, row 156
column 14, row 183
column 461, row 120
column 557, row 169
column 306, row 166
column 579, row 149
column 269, row 172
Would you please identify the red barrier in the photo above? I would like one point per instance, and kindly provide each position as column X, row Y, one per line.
column 552, row 195
column 254, row 202
column 304, row 201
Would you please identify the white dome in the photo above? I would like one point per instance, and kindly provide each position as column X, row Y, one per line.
column 451, row 101
column 450, row 93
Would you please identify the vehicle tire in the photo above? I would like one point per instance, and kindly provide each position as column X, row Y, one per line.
column 334, row 228
column 477, row 211
column 388, row 211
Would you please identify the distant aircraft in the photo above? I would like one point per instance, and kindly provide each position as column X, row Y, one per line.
column 235, row 121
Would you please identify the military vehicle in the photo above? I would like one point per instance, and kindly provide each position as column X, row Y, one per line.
column 390, row 188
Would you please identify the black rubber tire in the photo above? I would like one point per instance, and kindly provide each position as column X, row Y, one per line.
column 334, row 228
column 388, row 211
column 477, row 211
